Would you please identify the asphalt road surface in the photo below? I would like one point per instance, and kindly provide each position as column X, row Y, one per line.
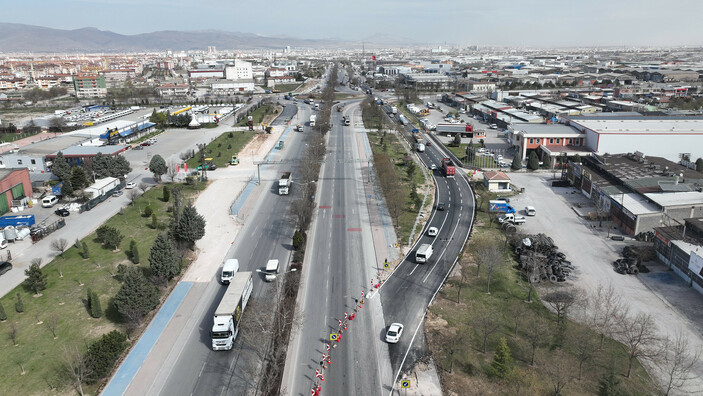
column 338, row 267
column 266, row 235
column 410, row 289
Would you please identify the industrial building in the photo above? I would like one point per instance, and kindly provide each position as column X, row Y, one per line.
column 15, row 188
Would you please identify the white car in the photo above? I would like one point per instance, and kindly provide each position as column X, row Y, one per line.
column 394, row 332
column 130, row 185
column 432, row 231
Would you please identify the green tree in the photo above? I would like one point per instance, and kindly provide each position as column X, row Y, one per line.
column 136, row 297
column 609, row 385
column 134, row 253
column 79, row 179
column 3, row 315
column 163, row 259
column 699, row 164
column 190, row 226
column 110, row 237
column 470, row 151
column 502, row 361
column 86, row 252
column 457, row 140
column 517, row 160
column 66, row 188
column 167, row 193
column 60, row 167
column 19, row 306
column 101, row 166
column 148, row 211
column 298, row 240
column 96, row 309
column 411, row 168
column 103, row 353
column 576, row 158
column 157, row 166
column 154, row 221
column 119, row 166
column 533, row 161
column 36, row 280
column 159, row 118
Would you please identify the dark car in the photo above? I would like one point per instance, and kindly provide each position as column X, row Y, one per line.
column 137, row 148
column 440, row 206
column 63, row 212
column 146, row 144
column 429, row 143
column 5, row 266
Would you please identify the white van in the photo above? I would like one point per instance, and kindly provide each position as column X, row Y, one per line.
column 271, row 270
column 230, row 267
column 49, row 201
column 530, row 210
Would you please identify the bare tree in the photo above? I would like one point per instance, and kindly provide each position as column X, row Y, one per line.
column 520, row 382
column 638, row 336
column 517, row 313
column 537, row 334
column 59, row 245
column 12, row 332
column 583, row 345
column 133, row 194
column 558, row 369
column 74, row 367
column 606, row 307
column 486, row 252
column 494, row 264
column 464, row 279
column 52, row 323
column 172, row 168
column 143, row 186
column 485, row 321
column 679, row 359
column 561, row 301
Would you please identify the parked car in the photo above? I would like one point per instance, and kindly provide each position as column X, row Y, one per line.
column 208, row 166
column 432, row 231
column 147, row 143
column 137, row 148
column 130, row 185
column 394, row 332
column 5, row 266
column 63, row 212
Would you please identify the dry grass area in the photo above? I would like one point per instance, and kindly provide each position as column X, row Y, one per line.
column 464, row 317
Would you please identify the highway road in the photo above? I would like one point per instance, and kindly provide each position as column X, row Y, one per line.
column 339, row 264
column 409, row 290
column 190, row 367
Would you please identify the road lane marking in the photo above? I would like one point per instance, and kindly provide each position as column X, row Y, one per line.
column 416, row 265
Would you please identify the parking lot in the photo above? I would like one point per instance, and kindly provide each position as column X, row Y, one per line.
column 591, row 251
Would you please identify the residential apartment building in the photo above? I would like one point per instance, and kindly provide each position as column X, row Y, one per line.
column 90, row 86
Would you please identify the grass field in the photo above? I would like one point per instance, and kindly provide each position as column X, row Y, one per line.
column 223, row 147
column 453, row 333
column 64, row 300
column 258, row 115
column 285, row 88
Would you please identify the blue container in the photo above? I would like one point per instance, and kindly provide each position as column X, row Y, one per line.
column 27, row 220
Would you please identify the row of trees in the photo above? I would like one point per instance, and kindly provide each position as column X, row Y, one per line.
column 37, row 94
column 78, row 177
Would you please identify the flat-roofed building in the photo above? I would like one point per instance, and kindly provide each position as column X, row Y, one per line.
column 90, row 86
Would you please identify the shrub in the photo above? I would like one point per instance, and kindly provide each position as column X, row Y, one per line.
column 19, row 307
column 3, row 315
column 298, row 240
column 86, row 253
column 103, row 353
column 96, row 309
column 148, row 211
column 166, row 194
column 154, row 221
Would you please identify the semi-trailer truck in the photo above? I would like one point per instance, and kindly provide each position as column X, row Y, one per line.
column 229, row 312
column 448, row 167
column 284, row 183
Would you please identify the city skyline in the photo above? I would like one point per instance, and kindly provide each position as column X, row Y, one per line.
column 541, row 23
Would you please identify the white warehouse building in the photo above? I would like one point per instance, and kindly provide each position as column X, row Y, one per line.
column 670, row 137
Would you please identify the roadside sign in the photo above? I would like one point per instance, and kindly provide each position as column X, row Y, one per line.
column 386, row 265
column 333, row 336
column 405, row 384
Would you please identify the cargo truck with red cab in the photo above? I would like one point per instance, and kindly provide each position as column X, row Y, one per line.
column 448, row 167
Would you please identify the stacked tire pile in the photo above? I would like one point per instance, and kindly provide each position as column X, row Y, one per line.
column 540, row 259
column 630, row 263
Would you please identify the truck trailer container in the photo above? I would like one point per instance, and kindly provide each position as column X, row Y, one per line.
column 498, row 206
column 448, row 167
column 25, row 220
column 229, row 312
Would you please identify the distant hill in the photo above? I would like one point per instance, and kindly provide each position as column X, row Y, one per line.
column 16, row 37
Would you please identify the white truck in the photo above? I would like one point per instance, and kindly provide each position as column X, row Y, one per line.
column 317, row 106
column 230, row 267
column 424, row 252
column 312, row 120
column 225, row 325
column 284, row 183
column 420, row 147
column 271, row 270
column 394, row 110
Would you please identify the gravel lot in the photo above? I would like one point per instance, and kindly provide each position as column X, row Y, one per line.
column 592, row 253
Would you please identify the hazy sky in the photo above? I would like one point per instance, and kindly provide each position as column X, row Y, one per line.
column 465, row 22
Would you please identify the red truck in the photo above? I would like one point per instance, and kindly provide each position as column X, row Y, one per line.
column 448, row 167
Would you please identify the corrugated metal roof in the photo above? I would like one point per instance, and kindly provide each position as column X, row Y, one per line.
column 676, row 198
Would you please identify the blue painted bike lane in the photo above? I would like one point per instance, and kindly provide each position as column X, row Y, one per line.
column 128, row 369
